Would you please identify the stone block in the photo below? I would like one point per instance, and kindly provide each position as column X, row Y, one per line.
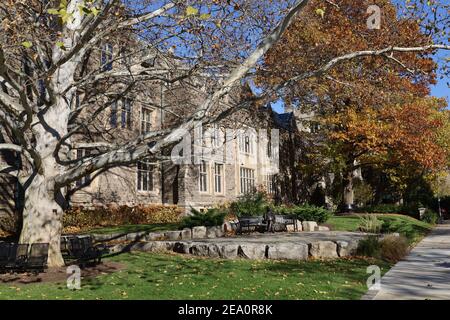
column 288, row 251
column 309, row 225
column 198, row 232
column 254, row 251
column 323, row 250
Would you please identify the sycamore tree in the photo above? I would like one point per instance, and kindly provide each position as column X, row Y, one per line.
column 47, row 54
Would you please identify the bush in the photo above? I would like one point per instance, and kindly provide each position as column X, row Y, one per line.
column 306, row 212
column 370, row 223
column 382, row 208
column 430, row 216
column 369, row 247
column 212, row 217
column 252, row 204
column 79, row 219
column 394, row 248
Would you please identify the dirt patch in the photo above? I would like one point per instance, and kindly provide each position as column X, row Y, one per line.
column 60, row 274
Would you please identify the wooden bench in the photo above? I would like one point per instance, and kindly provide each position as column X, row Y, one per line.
column 81, row 250
column 23, row 257
column 276, row 220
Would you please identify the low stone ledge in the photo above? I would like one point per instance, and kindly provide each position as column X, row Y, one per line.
column 347, row 248
column 288, row 251
column 254, row 251
column 309, row 225
column 323, row 250
column 173, row 235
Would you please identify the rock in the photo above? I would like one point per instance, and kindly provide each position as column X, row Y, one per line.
column 228, row 251
column 288, row 251
column 323, row 249
column 213, row 251
column 154, row 236
column 182, row 247
column 135, row 236
column 219, row 232
column 142, row 246
column 186, row 233
column 199, row 249
column 211, row 232
column 226, row 227
column 161, row 246
column 299, row 225
column 254, row 251
column 309, row 225
column 173, row 235
column 321, row 228
column 198, row 232
column 291, row 228
column 116, row 248
column 346, row 248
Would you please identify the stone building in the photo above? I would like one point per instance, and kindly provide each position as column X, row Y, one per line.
column 234, row 157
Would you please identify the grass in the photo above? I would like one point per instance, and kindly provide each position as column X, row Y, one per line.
column 135, row 228
column 169, row 276
column 414, row 230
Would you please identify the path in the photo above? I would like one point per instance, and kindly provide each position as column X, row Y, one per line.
column 424, row 274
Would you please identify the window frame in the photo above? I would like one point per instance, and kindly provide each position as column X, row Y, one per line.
column 247, row 180
column 126, row 113
column 146, row 124
column 147, row 174
column 203, row 174
column 219, row 184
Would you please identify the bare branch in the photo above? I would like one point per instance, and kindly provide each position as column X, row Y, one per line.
column 10, row 146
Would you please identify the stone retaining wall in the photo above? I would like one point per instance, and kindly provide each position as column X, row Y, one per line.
column 248, row 250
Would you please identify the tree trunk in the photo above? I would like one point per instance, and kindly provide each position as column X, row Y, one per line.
column 348, row 190
column 42, row 219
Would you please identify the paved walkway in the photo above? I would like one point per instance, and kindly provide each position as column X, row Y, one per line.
column 424, row 274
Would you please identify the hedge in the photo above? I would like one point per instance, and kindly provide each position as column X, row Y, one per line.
column 79, row 219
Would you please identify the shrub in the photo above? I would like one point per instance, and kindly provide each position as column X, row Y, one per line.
column 369, row 247
column 306, row 212
column 370, row 223
column 79, row 219
column 430, row 216
column 363, row 192
column 394, row 248
column 251, row 204
column 382, row 208
column 212, row 217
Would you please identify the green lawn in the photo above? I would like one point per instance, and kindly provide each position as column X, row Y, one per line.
column 135, row 228
column 168, row 276
column 411, row 228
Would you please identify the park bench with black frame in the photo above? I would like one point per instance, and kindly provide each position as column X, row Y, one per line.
column 81, row 249
column 285, row 220
column 23, row 257
column 250, row 222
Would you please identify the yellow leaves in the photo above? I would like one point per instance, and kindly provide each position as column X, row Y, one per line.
column 320, row 12
column 27, row 44
column 191, row 11
column 61, row 45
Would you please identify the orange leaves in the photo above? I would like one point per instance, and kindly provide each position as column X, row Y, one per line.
column 413, row 133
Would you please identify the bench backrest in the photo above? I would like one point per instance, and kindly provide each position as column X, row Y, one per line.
column 4, row 251
column 251, row 220
column 38, row 254
column 284, row 218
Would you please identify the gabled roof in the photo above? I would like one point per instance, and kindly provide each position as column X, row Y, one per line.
column 284, row 120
